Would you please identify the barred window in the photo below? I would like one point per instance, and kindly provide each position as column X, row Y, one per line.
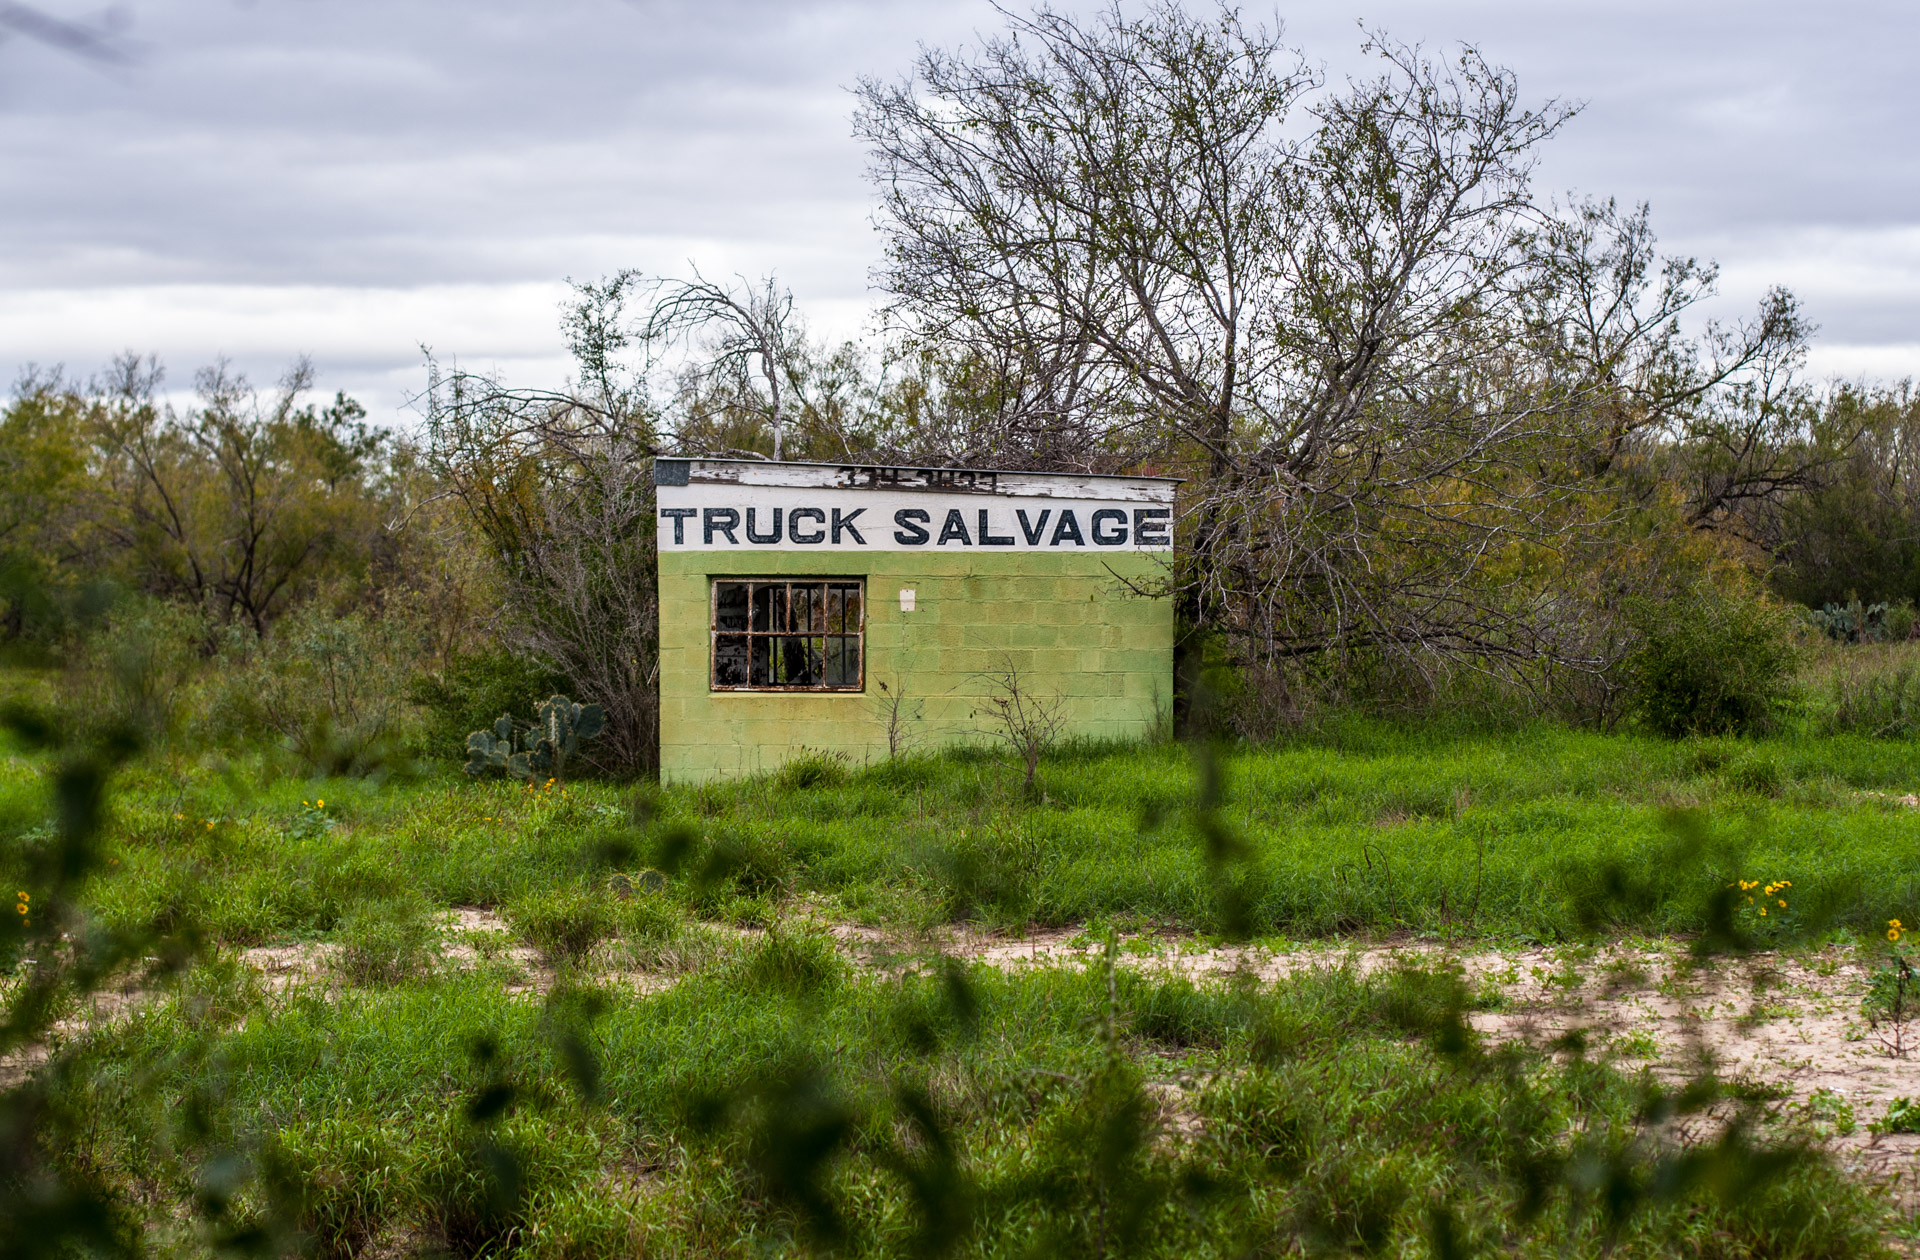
column 775, row 634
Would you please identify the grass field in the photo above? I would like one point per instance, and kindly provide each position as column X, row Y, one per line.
column 603, row 1067
column 1373, row 830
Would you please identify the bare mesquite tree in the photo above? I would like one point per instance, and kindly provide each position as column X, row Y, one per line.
column 560, row 484
column 1180, row 247
column 1726, row 412
column 739, row 375
column 749, row 343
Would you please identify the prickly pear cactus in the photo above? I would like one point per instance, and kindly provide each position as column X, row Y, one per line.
column 1851, row 622
column 539, row 749
column 489, row 751
column 560, row 725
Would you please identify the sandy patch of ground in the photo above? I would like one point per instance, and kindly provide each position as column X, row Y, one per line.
column 470, row 939
column 1786, row 1027
column 281, row 967
column 476, row 938
column 1783, row 1025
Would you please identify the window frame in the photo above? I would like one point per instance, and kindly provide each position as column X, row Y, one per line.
column 751, row 581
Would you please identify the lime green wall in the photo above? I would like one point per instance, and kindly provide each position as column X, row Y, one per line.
column 1069, row 627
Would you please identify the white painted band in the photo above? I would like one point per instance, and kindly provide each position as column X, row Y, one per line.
column 710, row 517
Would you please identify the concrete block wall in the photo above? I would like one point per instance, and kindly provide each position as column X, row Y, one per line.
column 1065, row 621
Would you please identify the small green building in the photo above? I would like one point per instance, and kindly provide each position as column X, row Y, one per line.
column 856, row 609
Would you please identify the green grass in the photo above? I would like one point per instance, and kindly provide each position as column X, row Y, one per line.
column 1371, row 830
column 774, row 1097
column 1020, row 1121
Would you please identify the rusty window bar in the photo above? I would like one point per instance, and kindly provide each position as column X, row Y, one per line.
column 783, row 634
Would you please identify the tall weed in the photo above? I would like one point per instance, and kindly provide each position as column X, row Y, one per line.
column 1873, row 691
column 564, row 924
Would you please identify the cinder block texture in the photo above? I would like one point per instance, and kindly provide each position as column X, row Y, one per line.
column 1068, row 623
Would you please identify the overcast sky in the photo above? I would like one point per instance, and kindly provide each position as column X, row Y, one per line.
column 352, row 179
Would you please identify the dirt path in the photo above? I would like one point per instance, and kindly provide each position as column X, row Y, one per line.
column 1787, row 1027
column 1783, row 1027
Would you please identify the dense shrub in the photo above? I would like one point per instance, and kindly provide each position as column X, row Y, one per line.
column 564, row 924
column 329, row 689
column 473, row 690
column 136, row 669
column 1709, row 663
column 385, row 942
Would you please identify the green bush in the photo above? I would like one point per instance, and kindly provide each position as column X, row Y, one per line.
column 1709, row 663
column 137, row 668
column 564, row 924
column 328, row 689
column 733, row 865
column 1760, row 773
column 648, row 917
column 1903, row 1116
column 1901, row 619
column 385, row 942
column 813, row 769
column 792, row 962
column 987, row 874
column 475, row 689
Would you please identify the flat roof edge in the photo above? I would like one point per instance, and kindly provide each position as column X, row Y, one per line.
column 682, row 465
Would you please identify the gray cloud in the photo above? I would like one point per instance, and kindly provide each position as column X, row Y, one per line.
column 353, row 178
